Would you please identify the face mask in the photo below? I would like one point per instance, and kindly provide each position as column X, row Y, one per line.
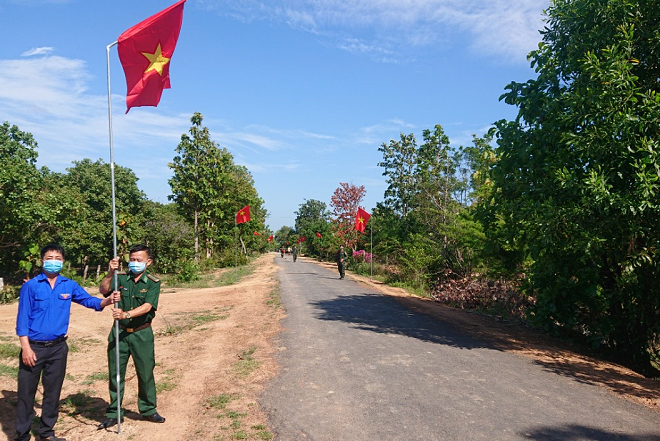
column 53, row 266
column 137, row 267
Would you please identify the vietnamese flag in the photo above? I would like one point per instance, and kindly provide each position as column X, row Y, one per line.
column 145, row 51
column 318, row 234
column 302, row 239
column 270, row 238
column 256, row 234
column 361, row 220
column 243, row 215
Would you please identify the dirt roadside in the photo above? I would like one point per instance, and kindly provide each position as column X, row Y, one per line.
column 215, row 354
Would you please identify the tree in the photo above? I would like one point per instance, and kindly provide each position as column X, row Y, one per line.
column 312, row 217
column 399, row 159
column 20, row 181
column 576, row 182
column 87, row 235
column 209, row 189
column 345, row 202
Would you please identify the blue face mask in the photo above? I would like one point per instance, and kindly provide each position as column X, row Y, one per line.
column 53, row 266
column 137, row 267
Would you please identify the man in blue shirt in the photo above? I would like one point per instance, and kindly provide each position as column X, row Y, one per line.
column 42, row 322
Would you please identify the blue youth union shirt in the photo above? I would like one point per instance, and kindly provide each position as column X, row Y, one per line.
column 43, row 312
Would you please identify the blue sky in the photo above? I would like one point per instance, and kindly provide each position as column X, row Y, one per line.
column 302, row 92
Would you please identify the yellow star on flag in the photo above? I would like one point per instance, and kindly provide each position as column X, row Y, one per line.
column 156, row 61
column 360, row 220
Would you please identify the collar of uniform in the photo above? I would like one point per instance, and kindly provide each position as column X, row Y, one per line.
column 143, row 278
column 42, row 277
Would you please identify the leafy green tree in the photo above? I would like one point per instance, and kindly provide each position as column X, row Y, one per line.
column 399, row 160
column 312, row 216
column 20, row 182
column 87, row 233
column 169, row 235
column 209, row 189
column 576, row 183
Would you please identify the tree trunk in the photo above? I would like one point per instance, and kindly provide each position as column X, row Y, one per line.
column 196, row 237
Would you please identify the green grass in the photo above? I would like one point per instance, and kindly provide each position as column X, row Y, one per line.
column 263, row 434
column 246, row 364
column 165, row 386
column 221, row 401
column 79, row 344
column 274, row 299
column 97, row 376
column 227, row 276
column 191, row 321
column 9, row 371
column 233, row 275
column 9, row 350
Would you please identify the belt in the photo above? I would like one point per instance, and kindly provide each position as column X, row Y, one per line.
column 48, row 342
column 139, row 328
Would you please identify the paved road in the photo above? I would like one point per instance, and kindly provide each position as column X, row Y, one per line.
column 355, row 365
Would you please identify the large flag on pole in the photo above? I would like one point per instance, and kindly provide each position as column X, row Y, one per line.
column 243, row 215
column 361, row 220
column 145, row 51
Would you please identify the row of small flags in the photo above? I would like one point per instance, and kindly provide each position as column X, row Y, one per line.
column 361, row 219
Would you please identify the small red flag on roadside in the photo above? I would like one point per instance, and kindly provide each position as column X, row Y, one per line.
column 361, row 220
column 243, row 215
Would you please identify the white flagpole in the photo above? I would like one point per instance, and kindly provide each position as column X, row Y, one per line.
column 114, row 238
column 371, row 269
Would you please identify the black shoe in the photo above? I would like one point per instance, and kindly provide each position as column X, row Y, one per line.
column 155, row 418
column 107, row 423
column 52, row 438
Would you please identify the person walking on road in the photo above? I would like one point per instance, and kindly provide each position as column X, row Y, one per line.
column 138, row 303
column 294, row 252
column 341, row 261
column 42, row 322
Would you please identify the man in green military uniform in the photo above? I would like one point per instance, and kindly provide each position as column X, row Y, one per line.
column 137, row 308
column 341, row 261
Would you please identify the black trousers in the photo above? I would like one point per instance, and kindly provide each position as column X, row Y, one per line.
column 51, row 362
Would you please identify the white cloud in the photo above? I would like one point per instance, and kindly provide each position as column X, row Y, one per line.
column 38, row 51
column 49, row 97
column 507, row 28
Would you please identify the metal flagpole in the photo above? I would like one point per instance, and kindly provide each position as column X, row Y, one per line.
column 114, row 238
column 371, row 269
column 235, row 242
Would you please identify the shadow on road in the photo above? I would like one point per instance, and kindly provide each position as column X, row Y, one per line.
column 577, row 432
column 373, row 312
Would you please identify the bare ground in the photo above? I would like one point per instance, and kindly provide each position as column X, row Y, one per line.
column 215, row 354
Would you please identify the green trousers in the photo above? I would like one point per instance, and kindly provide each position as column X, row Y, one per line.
column 140, row 346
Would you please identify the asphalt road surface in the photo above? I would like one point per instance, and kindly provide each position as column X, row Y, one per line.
column 355, row 365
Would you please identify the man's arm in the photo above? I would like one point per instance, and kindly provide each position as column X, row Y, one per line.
column 118, row 314
column 27, row 354
column 106, row 283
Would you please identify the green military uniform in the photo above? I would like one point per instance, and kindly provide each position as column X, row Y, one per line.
column 341, row 263
column 136, row 339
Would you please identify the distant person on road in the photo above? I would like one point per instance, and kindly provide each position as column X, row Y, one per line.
column 341, row 261
column 139, row 293
column 294, row 252
column 282, row 252
column 44, row 308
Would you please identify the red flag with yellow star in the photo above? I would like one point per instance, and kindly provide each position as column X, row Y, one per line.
column 145, row 51
column 243, row 215
column 361, row 220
